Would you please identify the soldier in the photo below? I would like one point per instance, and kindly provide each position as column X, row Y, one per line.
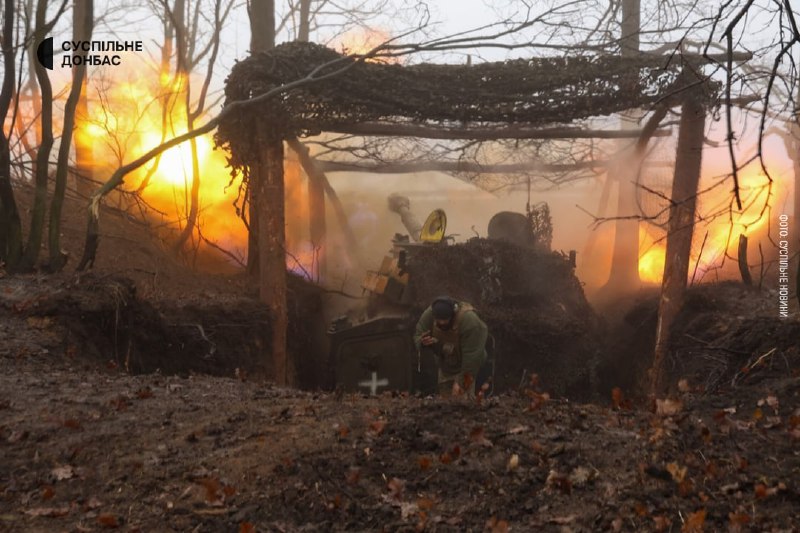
column 456, row 335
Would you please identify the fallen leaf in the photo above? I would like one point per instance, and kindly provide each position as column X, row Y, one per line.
column 247, row 527
column 17, row 436
column 144, row 393
column 425, row 504
column 559, row 482
column 424, row 462
column 513, row 463
column 61, row 473
column 396, row 487
column 72, row 423
column 108, row 520
column 48, row 492
column 478, row 436
column 353, row 475
column 678, row 473
column 212, row 487
column 497, row 526
column 580, row 476
column 695, row 522
column 92, row 504
column 376, row 427
column 616, row 397
column 739, row 519
column 668, row 407
column 53, row 512
column 661, row 523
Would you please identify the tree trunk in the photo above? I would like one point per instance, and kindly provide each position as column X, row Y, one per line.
column 84, row 154
column 272, row 249
column 679, row 238
column 304, row 29
column 316, row 189
column 262, row 38
column 31, row 254
column 267, row 218
column 83, row 13
column 314, row 173
column 624, row 275
column 10, row 225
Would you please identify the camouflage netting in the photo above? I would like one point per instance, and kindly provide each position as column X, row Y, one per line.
column 532, row 302
column 532, row 92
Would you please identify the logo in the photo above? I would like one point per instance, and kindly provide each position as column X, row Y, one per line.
column 44, row 53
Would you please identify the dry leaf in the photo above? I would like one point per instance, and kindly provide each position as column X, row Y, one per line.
column 616, row 397
column 678, row 473
column 668, row 407
column 376, row 427
column 72, row 423
column 63, row 472
column 661, row 523
column 108, row 520
column 424, row 462
column 513, row 463
column 396, row 487
column 580, row 476
column 247, row 527
column 353, row 475
column 695, row 522
column 497, row 526
column 478, row 436
column 425, row 504
column 53, row 512
column 144, row 393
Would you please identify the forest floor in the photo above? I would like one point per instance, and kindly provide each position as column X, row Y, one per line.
column 86, row 446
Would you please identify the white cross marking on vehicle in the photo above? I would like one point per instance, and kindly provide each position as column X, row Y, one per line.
column 374, row 383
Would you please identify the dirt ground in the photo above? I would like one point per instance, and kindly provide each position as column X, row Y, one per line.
column 87, row 446
column 133, row 399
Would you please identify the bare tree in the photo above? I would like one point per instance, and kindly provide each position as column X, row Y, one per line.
column 31, row 253
column 83, row 17
column 190, row 52
column 10, row 224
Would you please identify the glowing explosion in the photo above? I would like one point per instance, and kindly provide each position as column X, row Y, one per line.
column 126, row 120
column 720, row 233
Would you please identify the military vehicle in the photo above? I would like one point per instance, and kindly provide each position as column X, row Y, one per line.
column 372, row 351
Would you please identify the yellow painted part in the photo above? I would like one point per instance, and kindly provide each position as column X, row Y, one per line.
column 434, row 227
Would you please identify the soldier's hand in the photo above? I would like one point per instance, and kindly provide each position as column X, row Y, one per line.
column 427, row 339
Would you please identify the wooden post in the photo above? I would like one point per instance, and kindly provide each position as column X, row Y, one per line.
column 680, row 231
column 272, row 248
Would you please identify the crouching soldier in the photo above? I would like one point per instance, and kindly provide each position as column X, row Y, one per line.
column 456, row 336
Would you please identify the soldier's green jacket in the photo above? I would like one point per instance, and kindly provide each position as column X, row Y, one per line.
column 472, row 335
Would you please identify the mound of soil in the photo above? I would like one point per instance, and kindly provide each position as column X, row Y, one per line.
column 101, row 318
column 532, row 302
column 726, row 333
